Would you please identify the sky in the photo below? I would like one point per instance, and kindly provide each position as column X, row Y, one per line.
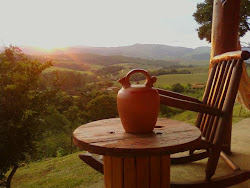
column 59, row 23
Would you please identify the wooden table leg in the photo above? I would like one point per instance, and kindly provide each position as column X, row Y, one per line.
column 137, row 172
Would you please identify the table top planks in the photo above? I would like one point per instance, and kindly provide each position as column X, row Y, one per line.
column 107, row 137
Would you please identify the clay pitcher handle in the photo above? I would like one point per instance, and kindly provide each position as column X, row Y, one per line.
column 149, row 80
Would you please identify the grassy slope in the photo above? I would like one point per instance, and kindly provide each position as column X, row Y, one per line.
column 67, row 171
column 239, row 114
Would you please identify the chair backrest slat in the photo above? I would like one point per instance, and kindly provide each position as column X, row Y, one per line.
column 218, row 83
column 217, row 103
column 214, row 84
column 232, row 89
column 221, row 97
column 216, row 91
column 209, row 83
column 216, row 95
column 206, row 93
column 210, row 94
column 222, row 89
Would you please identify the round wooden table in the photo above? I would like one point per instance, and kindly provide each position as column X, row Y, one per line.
column 136, row 160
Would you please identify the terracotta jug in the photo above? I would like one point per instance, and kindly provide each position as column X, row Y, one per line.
column 138, row 105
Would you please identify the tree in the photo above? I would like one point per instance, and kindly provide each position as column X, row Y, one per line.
column 73, row 115
column 102, row 107
column 203, row 16
column 23, row 105
column 54, row 134
column 177, row 88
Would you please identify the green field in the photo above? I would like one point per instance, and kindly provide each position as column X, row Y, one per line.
column 60, row 172
column 239, row 113
column 196, row 69
column 182, row 79
column 195, row 63
column 51, row 69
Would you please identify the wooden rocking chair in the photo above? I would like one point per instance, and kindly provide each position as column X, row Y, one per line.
column 215, row 114
column 214, row 118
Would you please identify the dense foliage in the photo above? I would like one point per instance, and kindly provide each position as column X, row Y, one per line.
column 203, row 16
column 39, row 111
column 72, row 65
column 23, row 106
column 109, row 70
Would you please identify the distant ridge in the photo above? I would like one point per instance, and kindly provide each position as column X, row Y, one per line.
column 148, row 51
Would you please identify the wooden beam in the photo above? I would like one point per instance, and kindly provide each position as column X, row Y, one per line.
column 225, row 27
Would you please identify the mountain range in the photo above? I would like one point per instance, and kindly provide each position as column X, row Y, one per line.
column 148, row 51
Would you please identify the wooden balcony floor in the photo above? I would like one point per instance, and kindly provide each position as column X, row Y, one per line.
column 240, row 155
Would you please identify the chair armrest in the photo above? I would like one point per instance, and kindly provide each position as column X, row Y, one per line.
column 189, row 105
column 177, row 95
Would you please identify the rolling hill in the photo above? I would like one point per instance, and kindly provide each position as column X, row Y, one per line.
column 141, row 51
column 149, row 51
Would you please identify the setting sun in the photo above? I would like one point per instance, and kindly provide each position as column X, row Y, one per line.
column 48, row 46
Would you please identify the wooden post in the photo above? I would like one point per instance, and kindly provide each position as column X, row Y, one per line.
column 225, row 26
column 225, row 37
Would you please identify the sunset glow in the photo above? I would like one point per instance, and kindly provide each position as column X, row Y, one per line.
column 49, row 47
